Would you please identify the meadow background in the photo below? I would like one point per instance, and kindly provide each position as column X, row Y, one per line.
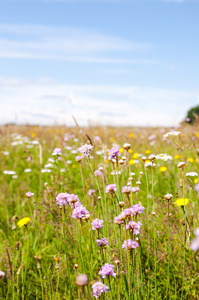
column 42, row 257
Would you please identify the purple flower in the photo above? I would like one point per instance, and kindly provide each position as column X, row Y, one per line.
column 128, row 212
column 71, row 198
column 195, row 243
column 91, row 191
column 137, row 209
column 98, row 173
column 99, row 288
column 135, row 227
column 113, row 153
column 78, row 158
column 62, row 198
column 111, row 188
column 97, row 139
column 85, row 150
column 57, row 151
column 187, row 119
column 119, row 220
column 97, row 224
column 127, row 189
column 196, row 188
column 130, row 244
column 135, row 189
column 102, row 242
column 29, row 194
column 79, row 212
column 107, row 270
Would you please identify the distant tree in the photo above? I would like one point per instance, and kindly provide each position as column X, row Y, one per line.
column 192, row 114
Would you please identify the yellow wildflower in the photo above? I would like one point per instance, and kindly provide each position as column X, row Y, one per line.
column 23, row 222
column 135, row 155
column 197, row 134
column 33, row 135
column 131, row 162
column 74, row 166
column 131, row 135
column 177, row 156
column 112, row 139
column 196, row 180
column 163, row 169
column 190, row 159
column 130, row 151
column 121, row 150
column 148, row 151
column 181, row 202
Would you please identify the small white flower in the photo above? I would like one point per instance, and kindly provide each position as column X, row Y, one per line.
column 171, row 133
column 62, row 170
column 9, row 172
column 45, row 171
column 181, row 164
column 192, row 174
column 69, row 162
column 6, row 153
column 27, row 170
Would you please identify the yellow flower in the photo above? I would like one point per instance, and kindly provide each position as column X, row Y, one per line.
column 147, row 151
column 196, row 180
column 177, row 156
column 23, row 222
column 181, row 202
column 147, row 161
column 131, row 162
column 131, row 135
column 163, row 169
column 121, row 150
column 112, row 139
column 130, row 151
column 135, row 155
column 190, row 159
column 33, row 135
column 197, row 134
column 74, row 166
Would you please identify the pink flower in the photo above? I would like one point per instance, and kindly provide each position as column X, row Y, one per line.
column 97, row 224
column 107, row 270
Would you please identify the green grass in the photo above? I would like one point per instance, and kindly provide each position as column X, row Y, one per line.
column 38, row 258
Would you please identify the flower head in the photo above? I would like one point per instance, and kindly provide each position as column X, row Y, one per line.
column 57, row 151
column 127, row 189
column 98, row 173
column 133, row 226
column 181, row 202
column 130, row 244
column 85, row 150
column 91, row 191
column 107, row 270
column 195, row 243
column 99, row 288
column 29, row 194
column 97, row 224
column 78, row 158
column 79, row 212
column 191, row 174
column 111, row 188
column 23, row 221
column 62, row 198
column 114, row 152
column 102, row 242
column 137, row 209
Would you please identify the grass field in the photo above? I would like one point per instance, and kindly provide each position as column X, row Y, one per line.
column 146, row 252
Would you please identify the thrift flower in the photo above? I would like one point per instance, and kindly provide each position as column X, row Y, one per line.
column 91, row 191
column 85, row 150
column 98, row 173
column 133, row 226
column 79, row 212
column 99, row 288
column 111, row 188
column 130, row 244
column 137, row 209
column 127, row 189
column 62, row 198
column 97, row 224
column 102, row 242
column 23, row 222
column 114, row 152
column 107, row 270
column 57, row 151
column 29, row 194
column 195, row 243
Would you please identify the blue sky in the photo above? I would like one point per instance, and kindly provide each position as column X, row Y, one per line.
column 105, row 62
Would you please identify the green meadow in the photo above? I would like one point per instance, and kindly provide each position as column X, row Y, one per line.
column 47, row 242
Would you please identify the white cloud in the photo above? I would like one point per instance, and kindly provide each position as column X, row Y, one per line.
column 62, row 43
column 46, row 102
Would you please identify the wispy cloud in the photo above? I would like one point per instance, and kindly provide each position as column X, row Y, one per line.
column 70, row 44
column 23, row 101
